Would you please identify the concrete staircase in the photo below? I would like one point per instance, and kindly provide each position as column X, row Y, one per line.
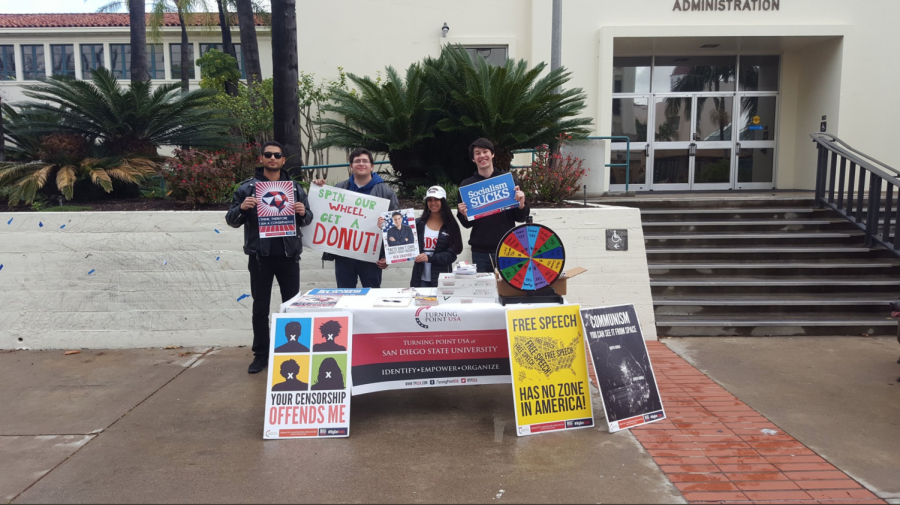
column 762, row 265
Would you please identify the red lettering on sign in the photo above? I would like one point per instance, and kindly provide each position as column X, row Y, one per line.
column 430, row 243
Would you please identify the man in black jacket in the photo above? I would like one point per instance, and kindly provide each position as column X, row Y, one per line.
column 268, row 258
column 487, row 231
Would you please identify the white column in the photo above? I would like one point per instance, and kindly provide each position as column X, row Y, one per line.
column 167, row 60
column 17, row 57
column 48, row 60
column 76, row 49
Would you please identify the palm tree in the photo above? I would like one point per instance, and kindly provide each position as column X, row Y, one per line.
column 386, row 117
column 511, row 105
column 249, row 45
column 227, row 46
column 133, row 120
column 285, row 98
column 138, row 29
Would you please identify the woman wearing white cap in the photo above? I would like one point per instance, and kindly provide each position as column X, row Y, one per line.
column 439, row 240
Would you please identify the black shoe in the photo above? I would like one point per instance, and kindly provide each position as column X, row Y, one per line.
column 259, row 364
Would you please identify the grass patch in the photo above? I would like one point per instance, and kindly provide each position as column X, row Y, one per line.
column 66, row 208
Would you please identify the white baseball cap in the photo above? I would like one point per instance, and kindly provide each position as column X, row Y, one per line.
column 435, row 192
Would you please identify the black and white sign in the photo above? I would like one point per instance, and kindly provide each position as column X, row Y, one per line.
column 622, row 364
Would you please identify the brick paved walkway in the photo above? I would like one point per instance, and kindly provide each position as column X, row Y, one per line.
column 713, row 447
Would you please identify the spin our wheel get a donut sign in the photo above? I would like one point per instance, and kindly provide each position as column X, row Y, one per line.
column 530, row 257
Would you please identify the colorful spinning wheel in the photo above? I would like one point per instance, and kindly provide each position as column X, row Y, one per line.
column 530, row 257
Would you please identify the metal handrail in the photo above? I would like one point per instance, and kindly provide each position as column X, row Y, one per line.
column 841, row 187
column 627, row 163
column 338, row 165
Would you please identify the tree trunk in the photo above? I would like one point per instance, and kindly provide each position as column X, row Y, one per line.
column 503, row 158
column 285, row 77
column 138, row 29
column 249, row 45
column 185, row 55
column 227, row 47
column 2, row 138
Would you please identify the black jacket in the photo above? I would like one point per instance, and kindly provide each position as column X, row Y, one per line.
column 441, row 260
column 487, row 231
column 235, row 217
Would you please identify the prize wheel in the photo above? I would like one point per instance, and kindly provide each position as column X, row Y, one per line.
column 530, row 257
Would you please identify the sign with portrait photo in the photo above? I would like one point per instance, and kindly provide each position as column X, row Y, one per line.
column 401, row 242
column 275, row 210
column 308, row 387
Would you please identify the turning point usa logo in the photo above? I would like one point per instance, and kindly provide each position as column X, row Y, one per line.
column 424, row 316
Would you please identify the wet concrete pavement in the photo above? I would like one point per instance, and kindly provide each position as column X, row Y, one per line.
column 149, row 425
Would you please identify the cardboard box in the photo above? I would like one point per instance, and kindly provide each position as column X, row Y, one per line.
column 477, row 280
column 559, row 285
column 479, row 291
column 447, row 300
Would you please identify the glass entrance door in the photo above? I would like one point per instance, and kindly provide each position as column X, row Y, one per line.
column 692, row 141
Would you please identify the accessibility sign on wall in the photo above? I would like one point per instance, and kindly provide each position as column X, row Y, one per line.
column 549, row 369
column 622, row 365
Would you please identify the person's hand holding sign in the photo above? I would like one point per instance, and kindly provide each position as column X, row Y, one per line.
column 319, row 182
column 520, row 197
column 462, row 208
column 300, row 209
column 249, row 203
column 422, row 258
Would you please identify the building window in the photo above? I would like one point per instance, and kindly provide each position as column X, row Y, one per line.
column 33, row 62
column 7, row 63
column 120, row 60
column 91, row 59
column 204, row 48
column 155, row 64
column 175, row 50
column 63, row 58
column 493, row 55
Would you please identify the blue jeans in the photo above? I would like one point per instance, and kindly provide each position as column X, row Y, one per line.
column 484, row 262
column 348, row 270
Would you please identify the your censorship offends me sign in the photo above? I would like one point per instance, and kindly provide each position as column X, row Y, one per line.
column 345, row 223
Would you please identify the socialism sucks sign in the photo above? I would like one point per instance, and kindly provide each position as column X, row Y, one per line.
column 489, row 196
column 345, row 223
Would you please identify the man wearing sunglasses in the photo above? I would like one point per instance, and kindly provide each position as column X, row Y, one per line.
column 362, row 180
column 268, row 258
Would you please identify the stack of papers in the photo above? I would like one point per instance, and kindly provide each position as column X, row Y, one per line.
column 464, row 268
column 471, row 287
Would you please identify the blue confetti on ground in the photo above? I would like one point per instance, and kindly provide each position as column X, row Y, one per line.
column 41, row 224
column 61, row 227
column 92, row 271
column 10, row 221
column 165, row 262
column 217, row 231
column 1, row 266
column 242, row 297
column 217, row 258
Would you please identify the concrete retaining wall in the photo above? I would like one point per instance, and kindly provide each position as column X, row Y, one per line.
column 151, row 279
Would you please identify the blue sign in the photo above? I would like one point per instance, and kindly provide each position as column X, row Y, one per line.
column 336, row 291
column 489, row 196
column 755, row 128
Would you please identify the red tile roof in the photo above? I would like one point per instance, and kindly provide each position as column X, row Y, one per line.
column 95, row 20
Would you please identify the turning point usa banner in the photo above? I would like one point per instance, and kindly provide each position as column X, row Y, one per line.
column 549, row 369
column 489, row 196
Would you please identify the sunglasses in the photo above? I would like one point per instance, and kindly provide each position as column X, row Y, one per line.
column 277, row 156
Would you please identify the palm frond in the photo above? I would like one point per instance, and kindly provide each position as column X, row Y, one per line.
column 65, row 181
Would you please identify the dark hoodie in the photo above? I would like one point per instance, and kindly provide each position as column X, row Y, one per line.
column 487, row 231
column 253, row 246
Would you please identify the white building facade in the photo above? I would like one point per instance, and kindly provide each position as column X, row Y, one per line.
column 710, row 94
